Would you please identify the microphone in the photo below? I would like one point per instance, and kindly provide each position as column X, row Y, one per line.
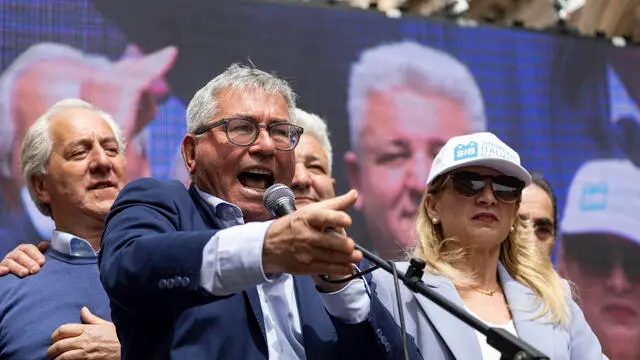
column 279, row 200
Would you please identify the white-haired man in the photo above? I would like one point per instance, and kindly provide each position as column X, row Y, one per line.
column 48, row 72
column 312, row 181
column 72, row 160
column 405, row 100
column 600, row 251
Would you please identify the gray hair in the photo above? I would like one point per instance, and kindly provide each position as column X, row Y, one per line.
column 204, row 104
column 315, row 126
column 37, row 144
column 34, row 55
column 417, row 66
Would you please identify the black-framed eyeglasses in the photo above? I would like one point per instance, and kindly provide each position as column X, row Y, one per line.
column 468, row 184
column 244, row 131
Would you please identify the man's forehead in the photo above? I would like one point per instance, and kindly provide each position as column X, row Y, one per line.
column 254, row 103
column 73, row 124
column 413, row 114
column 309, row 149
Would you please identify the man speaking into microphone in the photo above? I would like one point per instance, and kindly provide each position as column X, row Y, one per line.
column 203, row 273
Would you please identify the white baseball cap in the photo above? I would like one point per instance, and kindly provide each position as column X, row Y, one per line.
column 478, row 149
column 604, row 197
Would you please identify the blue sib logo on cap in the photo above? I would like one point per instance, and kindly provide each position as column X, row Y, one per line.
column 468, row 151
column 594, row 196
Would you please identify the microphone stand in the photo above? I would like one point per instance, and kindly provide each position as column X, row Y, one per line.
column 509, row 345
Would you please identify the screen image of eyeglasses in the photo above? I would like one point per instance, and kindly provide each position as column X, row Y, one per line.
column 597, row 254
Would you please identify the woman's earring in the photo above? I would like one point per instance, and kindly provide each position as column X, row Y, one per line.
column 513, row 228
column 434, row 220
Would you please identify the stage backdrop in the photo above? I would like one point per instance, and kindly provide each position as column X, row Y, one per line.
column 560, row 101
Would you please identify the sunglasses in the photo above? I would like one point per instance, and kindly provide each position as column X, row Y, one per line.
column 596, row 255
column 468, row 184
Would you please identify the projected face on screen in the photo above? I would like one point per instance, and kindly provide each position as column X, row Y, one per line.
column 600, row 251
column 605, row 269
column 402, row 131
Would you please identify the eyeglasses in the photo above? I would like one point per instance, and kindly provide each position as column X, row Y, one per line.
column 468, row 184
column 244, row 131
column 596, row 255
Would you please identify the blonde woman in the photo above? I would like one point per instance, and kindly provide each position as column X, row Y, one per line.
column 470, row 238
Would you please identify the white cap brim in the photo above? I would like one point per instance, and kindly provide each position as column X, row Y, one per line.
column 506, row 167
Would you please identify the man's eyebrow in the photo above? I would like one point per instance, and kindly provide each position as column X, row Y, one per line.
column 108, row 139
column 544, row 221
column 313, row 157
column 271, row 120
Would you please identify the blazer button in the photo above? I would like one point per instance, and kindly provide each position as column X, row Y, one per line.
column 162, row 284
column 186, row 281
column 170, row 284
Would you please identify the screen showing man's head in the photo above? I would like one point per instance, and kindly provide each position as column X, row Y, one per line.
column 405, row 101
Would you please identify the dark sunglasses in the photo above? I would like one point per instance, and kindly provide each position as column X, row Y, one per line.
column 468, row 184
column 596, row 255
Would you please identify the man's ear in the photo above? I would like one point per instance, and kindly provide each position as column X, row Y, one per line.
column 351, row 162
column 41, row 188
column 189, row 152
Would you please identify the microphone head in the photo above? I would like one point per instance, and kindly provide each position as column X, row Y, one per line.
column 276, row 196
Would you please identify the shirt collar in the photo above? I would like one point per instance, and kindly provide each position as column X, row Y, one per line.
column 224, row 210
column 71, row 245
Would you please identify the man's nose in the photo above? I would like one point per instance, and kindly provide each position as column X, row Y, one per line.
column 100, row 160
column 618, row 282
column 301, row 178
column 264, row 144
column 418, row 172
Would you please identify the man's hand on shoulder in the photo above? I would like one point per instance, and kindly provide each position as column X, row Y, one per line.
column 24, row 260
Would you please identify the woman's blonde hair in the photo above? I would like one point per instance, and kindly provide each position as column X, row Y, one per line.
column 524, row 261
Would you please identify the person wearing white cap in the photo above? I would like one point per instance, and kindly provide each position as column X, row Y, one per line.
column 478, row 256
column 600, row 252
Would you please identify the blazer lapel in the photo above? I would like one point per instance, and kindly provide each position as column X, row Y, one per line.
column 459, row 337
column 211, row 220
column 524, row 305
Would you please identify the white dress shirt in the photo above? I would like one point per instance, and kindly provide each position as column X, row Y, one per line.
column 71, row 245
column 232, row 262
column 488, row 351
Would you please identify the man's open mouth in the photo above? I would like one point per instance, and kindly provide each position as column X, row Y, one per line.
column 258, row 179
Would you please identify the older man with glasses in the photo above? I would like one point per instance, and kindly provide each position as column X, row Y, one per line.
column 206, row 272
column 600, row 251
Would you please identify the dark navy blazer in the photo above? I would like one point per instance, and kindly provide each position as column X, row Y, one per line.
column 150, row 267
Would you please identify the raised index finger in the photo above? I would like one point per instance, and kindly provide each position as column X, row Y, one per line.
column 342, row 202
